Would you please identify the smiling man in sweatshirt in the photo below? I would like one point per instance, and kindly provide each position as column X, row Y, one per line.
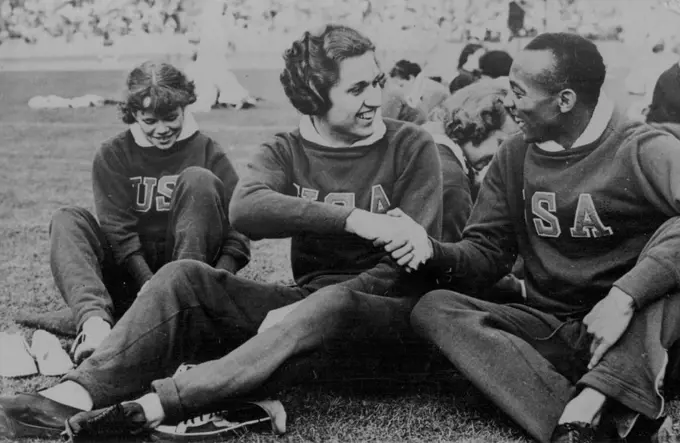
column 591, row 201
column 328, row 185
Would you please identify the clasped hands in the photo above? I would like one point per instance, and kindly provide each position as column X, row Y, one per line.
column 400, row 235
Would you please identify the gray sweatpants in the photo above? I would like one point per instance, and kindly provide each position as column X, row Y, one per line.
column 530, row 364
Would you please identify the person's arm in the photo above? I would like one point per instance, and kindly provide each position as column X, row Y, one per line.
column 657, row 271
column 260, row 207
column 420, row 197
column 457, row 197
column 489, row 245
column 236, row 246
column 113, row 197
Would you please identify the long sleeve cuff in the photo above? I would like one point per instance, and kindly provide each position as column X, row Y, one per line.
column 169, row 397
column 647, row 281
column 139, row 269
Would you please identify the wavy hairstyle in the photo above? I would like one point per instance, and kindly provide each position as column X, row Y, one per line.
column 473, row 112
column 312, row 65
column 159, row 88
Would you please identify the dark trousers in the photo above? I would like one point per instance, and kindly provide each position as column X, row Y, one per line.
column 530, row 364
column 190, row 308
column 82, row 261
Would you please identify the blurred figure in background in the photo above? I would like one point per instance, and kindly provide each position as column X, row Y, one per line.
column 494, row 64
column 468, row 66
column 395, row 106
column 420, row 91
column 468, row 129
column 665, row 106
column 215, row 83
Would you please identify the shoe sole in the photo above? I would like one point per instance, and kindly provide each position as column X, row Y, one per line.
column 212, row 437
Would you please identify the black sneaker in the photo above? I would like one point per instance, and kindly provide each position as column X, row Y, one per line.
column 234, row 421
column 573, row 432
column 123, row 419
column 32, row 415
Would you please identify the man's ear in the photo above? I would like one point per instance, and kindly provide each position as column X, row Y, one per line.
column 566, row 100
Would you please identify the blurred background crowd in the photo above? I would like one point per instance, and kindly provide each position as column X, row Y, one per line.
column 265, row 21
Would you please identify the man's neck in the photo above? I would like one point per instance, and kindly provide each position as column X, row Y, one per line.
column 572, row 129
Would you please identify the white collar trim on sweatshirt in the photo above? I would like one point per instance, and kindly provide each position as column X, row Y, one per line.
column 308, row 132
column 596, row 126
column 189, row 128
column 457, row 151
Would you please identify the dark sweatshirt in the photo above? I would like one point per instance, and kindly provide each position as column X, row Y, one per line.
column 132, row 190
column 580, row 218
column 297, row 188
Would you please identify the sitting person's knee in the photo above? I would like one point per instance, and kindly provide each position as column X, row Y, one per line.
column 196, row 177
column 69, row 215
column 429, row 305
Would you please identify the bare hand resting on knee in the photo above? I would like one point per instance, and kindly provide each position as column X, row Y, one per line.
column 607, row 322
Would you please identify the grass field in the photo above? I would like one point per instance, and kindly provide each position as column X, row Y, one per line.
column 46, row 159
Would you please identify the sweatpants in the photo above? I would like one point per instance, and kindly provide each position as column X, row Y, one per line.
column 531, row 364
column 189, row 307
column 82, row 261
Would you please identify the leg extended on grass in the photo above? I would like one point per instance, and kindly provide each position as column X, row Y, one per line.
column 330, row 314
column 187, row 307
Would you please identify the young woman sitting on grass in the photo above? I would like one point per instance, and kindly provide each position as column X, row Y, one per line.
column 161, row 193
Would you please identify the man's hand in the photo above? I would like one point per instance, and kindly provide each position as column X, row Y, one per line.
column 413, row 248
column 607, row 322
column 275, row 316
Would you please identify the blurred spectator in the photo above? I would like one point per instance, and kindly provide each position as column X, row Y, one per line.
column 215, row 83
column 453, row 20
column 665, row 106
column 494, row 64
column 468, row 66
column 394, row 106
column 420, row 91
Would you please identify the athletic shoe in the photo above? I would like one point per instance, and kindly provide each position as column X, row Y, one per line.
column 573, row 432
column 121, row 420
column 51, row 358
column 15, row 358
column 215, row 427
column 32, row 415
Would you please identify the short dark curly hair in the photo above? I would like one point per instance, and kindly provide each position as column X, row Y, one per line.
column 578, row 64
column 405, row 69
column 473, row 112
column 312, row 65
column 159, row 88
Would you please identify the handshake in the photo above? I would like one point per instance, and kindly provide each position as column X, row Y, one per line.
column 400, row 235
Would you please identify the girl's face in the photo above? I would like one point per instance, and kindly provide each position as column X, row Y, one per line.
column 161, row 131
column 481, row 155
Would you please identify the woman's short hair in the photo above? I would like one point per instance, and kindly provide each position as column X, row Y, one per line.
column 154, row 87
column 405, row 69
column 312, row 65
column 473, row 112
